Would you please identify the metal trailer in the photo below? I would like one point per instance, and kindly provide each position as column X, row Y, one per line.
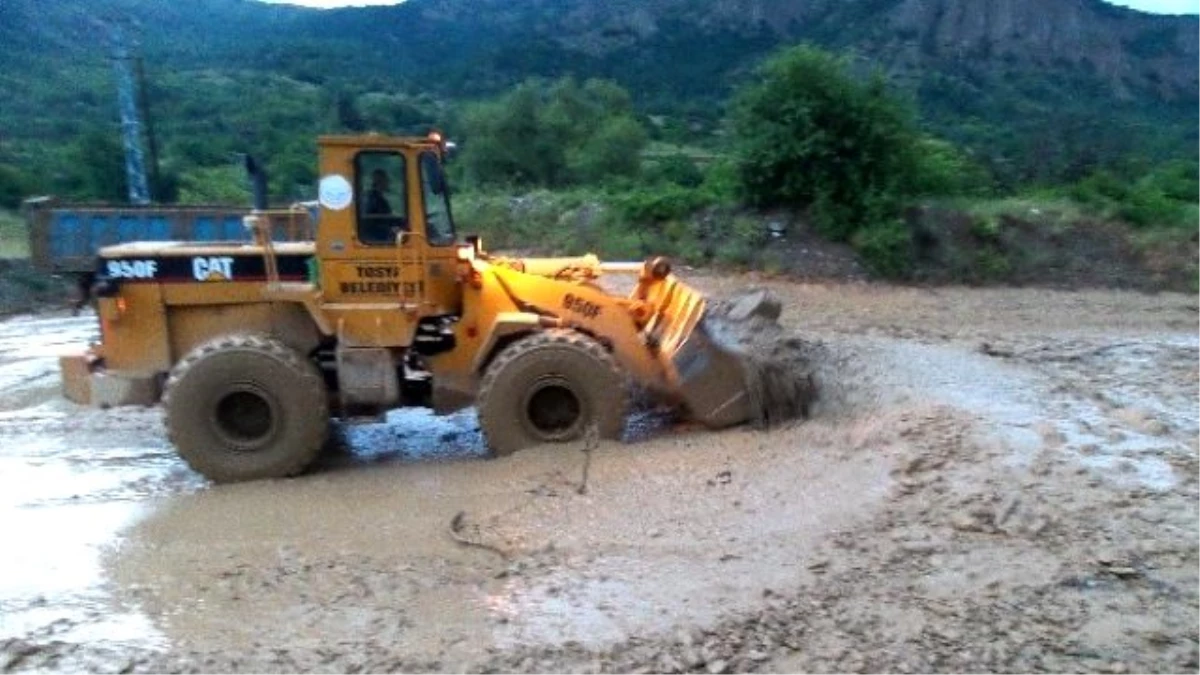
column 65, row 238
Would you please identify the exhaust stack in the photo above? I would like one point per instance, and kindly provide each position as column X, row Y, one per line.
column 258, row 182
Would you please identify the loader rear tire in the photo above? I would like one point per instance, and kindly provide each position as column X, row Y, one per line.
column 245, row 408
column 551, row 387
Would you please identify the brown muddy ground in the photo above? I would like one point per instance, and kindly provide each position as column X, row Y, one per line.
column 995, row 480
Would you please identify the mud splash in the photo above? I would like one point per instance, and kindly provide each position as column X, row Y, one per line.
column 778, row 368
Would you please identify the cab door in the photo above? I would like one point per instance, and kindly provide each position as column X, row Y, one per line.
column 368, row 279
column 441, row 284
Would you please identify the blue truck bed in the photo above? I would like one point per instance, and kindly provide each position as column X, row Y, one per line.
column 65, row 237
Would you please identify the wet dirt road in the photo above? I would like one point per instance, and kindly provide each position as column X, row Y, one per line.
column 994, row 480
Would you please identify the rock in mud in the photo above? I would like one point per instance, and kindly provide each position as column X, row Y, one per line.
column 759, row 303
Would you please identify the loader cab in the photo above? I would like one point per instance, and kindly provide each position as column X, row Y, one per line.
column 387, row 234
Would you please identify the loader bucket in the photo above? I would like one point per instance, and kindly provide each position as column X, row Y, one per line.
column 712, row 379
column 720, row 365
column 707, row 375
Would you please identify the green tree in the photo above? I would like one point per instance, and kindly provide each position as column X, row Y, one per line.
column 809, row 135
column 552, row 135
column 614, row 149
column 507, row 142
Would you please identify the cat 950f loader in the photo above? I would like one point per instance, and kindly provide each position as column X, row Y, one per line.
column 253, row 347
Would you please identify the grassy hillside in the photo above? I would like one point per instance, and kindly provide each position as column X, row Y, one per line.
column 1065, row 118
column 229, row 76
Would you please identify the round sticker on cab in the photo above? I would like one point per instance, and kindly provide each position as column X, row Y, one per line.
column 335, row 192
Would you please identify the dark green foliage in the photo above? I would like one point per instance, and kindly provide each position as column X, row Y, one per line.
column 230, row 76
column 506, row 143
column 552, row 135
column 618, row 225
column 13, row 187
column 1179, row 180
column 1099, row 190
column 810, row 136
column 97, row 166
column 612, row 150
column 659, row 203
column 678, row 169
column 1163, row 198
column 348, row 117
column 1147, row 206
column 942, row 169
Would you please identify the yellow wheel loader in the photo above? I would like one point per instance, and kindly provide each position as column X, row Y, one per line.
column 253, row 347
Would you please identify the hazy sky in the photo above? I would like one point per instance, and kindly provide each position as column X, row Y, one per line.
column 336, row 3
column 1158, row 6
column 1162, row 6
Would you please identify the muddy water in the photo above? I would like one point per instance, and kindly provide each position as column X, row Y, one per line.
column 66, row 491
column 970, row 445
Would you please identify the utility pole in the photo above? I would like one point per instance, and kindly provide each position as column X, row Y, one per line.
column 131, row 125
column 151, row 137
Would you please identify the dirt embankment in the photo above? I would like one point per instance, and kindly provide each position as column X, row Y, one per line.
column 991, row 480
column 1042, row 247
column 1035, row 248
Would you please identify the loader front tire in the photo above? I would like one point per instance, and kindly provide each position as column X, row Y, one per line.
column 551, row 387
column 245, row 408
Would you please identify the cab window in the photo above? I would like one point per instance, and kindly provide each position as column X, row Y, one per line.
column 439, row 226
column 382, row 208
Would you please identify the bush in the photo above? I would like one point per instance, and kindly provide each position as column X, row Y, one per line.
column 621, row 243
column 811, row 136
column 886, row 248
column 1163, row 198
column 1146, row 205
column 659, row 204
column 1099, row 191
column 541, row 222
column 740, row 241
column 676, row 169
column 1178, row 180
column 991, row 265
column 722, row 182
column 943, row 170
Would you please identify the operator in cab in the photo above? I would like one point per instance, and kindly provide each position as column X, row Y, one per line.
column 380, row 224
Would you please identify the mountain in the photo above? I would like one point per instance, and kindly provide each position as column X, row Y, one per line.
column 683, row 48
column 1006, row 78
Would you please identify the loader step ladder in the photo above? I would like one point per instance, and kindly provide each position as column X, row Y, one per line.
column 262, row 227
